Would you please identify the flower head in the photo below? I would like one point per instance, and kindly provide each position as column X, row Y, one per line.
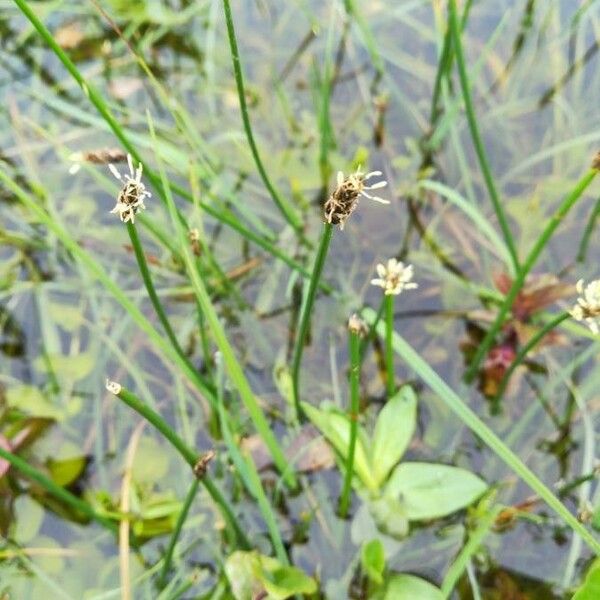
column 587, row 308
column 342, row 203
column 394, row 277
column 131, row 197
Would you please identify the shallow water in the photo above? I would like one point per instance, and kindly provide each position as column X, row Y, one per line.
column 539, row 144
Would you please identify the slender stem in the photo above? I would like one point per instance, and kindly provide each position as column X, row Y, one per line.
column 185, row 509
column 469, row 549
column 364, row 343
column 479, row 428
column 354, row 403
column 539, row 245
column 587, row 234
column 190, row 456
column 477, row 141
column 236, row 373
column 56, row 490
column 308, row 300
column 444, row 65
column 389, row 350
column 521, row 355
column 147, row 278
column 286, row 210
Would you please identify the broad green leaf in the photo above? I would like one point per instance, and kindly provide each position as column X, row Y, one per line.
column 394, row 429
column 65, row 472
column 390, row 516
column 335, row 426
column 590, row 590
column 372, row 560
column 408, row 587
column 282, row 582
column 250, row 573
column 429, row 491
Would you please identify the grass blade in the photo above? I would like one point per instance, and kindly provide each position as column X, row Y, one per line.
column 477, row 141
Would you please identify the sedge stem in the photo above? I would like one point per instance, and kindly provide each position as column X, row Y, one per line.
column 56, row 490
column 290, row 215
column 306, row 311
column 522, row 354
column 190, row 456
column 455, row 30
column 389, row 350
column 185, row 509
column 354, row 404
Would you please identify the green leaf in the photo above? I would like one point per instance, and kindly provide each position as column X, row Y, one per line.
column 250, row 573
column 429, row 491
column 393, row 431
column 65, row 472
column 408, row 587
column 372, row 560
column 335, row 426
column 390, row 516
column 590, row 590
column 283, row 582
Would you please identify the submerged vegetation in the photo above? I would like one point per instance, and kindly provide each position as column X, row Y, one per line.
column 250, row 385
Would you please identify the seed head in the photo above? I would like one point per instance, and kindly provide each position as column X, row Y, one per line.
column 394, row 277
column 342, row 203
column 113, row 387
column 587, row 308
column 131, row 197
column 357, row 325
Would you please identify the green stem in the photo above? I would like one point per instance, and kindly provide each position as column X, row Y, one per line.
column 477, row 141
column 232, row 364
column 389, row 350
column 479, row 428
column 469, row 549
column 444, row 66
column 308, row 300
column 354, row 404
column 190, row 456
column 290, row 215
column 519, row 280
column 587, row 234
column 56, row 490
column 145, row 272
column 525, row 350
column 185, row 509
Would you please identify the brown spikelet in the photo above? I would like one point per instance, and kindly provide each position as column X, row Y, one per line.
column 103, row 156
column 596, row 162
